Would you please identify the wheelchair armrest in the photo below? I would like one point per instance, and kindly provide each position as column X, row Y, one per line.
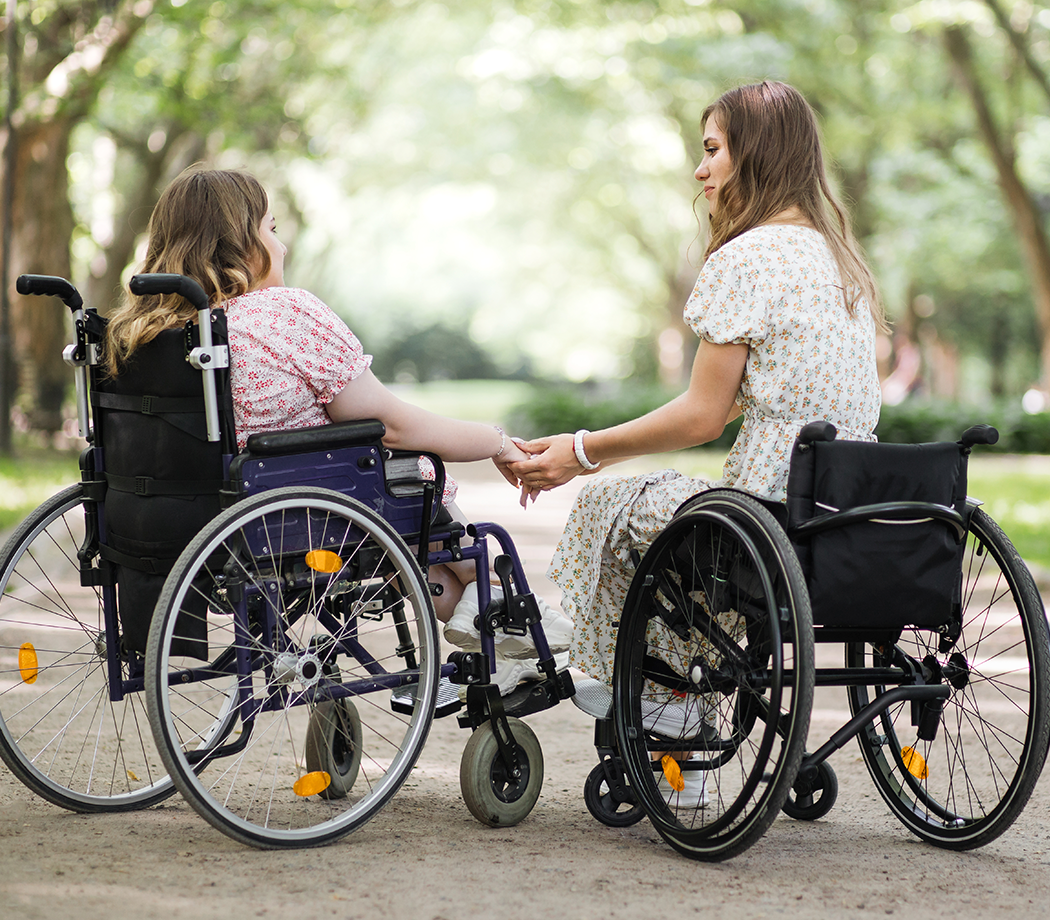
column 890, row 512
column 319, row 437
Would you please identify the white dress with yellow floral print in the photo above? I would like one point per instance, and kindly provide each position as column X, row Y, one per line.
column 778, row 290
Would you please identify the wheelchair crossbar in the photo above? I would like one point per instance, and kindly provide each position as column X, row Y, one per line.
column 920, row 693
column 885, row 513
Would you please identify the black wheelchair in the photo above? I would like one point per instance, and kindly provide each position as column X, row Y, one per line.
column 878, row 549
column 264, row 615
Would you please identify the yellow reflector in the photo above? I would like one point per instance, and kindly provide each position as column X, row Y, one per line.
column 322, row 560
column 914, row 763
column 312, row 783
column 672, row 773
column 27, row 662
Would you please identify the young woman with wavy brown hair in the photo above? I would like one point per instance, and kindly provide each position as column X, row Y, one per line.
column 786, row 311
column 294, row 363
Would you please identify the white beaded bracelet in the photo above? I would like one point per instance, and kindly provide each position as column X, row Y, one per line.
column 502, row 441
column 581, row 454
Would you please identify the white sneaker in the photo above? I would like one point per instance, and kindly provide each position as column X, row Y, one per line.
column 693, row 794
column 461, row 631
column 672, row 720
column 593, row 697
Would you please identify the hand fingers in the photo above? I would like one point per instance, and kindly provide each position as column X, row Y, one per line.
column 537, row 446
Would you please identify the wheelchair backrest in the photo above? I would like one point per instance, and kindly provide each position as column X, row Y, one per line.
column 163, row 478
column 879, row 530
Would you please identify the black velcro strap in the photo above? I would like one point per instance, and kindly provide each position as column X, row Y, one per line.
column 149, row 405
column 152, row 565
column 146, row 485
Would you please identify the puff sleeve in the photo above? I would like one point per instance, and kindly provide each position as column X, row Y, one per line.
column 730, row 301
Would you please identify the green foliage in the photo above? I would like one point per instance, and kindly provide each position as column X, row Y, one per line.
column 916, row 421
column 554, row 409
column 436, row 352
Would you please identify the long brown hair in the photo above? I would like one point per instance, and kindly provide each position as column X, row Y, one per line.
column 205, row 225
column 777, row 163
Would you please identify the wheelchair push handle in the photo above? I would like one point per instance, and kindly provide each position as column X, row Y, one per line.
column 979, row 434
column 84, row 351
column 50, row 285
column 817, row 431
column 166, row 283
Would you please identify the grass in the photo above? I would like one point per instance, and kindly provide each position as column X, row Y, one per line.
column 31, row 476
column 1016, row 493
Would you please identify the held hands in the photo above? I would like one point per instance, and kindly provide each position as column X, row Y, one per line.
column 553, row 463
column 512, row 455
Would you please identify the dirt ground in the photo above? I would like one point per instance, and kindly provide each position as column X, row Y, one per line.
column 425, row 857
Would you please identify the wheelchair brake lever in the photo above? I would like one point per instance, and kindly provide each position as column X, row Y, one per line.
column 516, row 622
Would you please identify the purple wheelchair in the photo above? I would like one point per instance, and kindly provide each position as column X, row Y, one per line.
column 263, row 616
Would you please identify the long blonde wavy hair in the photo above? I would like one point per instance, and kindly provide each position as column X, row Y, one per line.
column 205, row 225
column 777, row 163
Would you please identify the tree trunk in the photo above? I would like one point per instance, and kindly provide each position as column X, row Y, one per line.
column 43, row 225
column 1026, row 217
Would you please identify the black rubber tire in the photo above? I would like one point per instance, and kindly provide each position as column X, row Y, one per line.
column 604, row 806
column 334, row 745
column 284, row 635
column 716, row 629
column 817, row 800
column 60, row 733
column 491, row 794
column 994, row 730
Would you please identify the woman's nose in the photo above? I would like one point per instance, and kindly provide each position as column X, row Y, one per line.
column 701, row 173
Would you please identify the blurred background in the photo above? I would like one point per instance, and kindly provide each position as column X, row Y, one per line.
column 497, row 195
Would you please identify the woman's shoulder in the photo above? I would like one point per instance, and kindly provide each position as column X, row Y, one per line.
column 779, row 247
column 270, row 297
column 774, row 236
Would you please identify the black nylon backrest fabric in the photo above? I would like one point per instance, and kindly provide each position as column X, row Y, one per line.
column 873, row 573
column 156, row 528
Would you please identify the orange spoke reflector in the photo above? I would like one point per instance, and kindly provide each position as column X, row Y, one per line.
column 914, row 763
column 672, row 773
column 28, row 665
column 312, row 783
column 322, row 560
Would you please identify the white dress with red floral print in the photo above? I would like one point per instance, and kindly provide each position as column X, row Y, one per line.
column 778, row 290
column 289, row 357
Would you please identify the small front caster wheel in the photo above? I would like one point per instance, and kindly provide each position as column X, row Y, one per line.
column 812, row 800
column 333, row 745
column 493, row 793
column 613, row 808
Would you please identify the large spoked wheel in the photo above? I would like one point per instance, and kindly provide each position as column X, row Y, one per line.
column 60, row 731
column 298, row 611
column 496, row 794
column 713, row 682
column 965, row 787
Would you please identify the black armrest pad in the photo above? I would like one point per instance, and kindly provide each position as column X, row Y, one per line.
column 320, row 437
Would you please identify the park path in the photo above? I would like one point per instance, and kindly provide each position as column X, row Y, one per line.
column 425, row 857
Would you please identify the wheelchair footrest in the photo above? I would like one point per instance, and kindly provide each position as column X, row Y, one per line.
column 403, row 699
column 524, row 700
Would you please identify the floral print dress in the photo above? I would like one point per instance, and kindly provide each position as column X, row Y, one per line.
column 778, row 290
